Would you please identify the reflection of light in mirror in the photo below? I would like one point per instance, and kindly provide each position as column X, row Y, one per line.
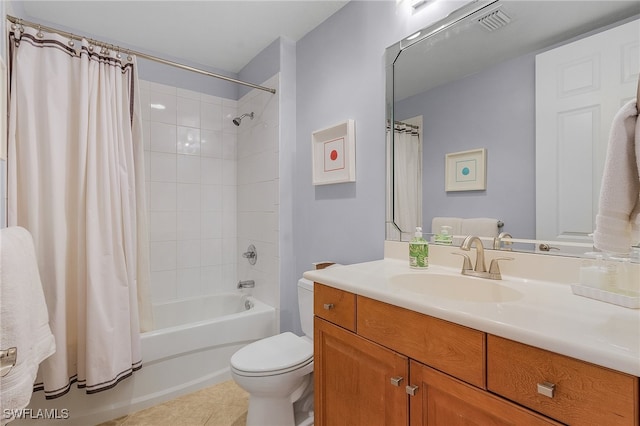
column 411, row 37
column 157, row 106
column 417, row 4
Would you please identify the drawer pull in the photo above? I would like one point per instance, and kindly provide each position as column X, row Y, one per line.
column 328, row 306
column 546, row 389
column 412, row 390
column 395, row 381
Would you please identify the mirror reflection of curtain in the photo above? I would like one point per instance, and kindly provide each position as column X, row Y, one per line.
column 407, row 182
column 76, row 182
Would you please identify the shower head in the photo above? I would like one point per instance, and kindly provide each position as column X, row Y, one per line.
column 237, row 120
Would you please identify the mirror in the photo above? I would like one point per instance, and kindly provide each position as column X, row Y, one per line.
column 471, row 80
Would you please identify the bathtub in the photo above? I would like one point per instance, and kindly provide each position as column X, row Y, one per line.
column 189, row 350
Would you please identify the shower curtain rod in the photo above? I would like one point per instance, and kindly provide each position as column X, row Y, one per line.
column 19, row 21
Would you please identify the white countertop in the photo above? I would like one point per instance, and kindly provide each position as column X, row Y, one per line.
column 547, row 315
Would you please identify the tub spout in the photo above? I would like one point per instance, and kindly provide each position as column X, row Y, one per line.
column 246, row 284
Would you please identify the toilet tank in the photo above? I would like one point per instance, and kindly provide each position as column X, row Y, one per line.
column 305, row 306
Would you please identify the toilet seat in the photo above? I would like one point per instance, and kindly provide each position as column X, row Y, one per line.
column 272, row 356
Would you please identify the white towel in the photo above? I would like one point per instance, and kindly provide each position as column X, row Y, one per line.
column 480, row 227
column 24, row 319
column 454, row 222
column 618, row 218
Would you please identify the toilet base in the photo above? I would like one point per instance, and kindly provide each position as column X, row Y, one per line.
column 279, row 411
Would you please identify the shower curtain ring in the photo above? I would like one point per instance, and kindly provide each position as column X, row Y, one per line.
column 39, row 34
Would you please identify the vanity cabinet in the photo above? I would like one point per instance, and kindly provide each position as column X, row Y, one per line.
column 441, row 400
column 567, row 389
column 353, row 380
column 377, row 363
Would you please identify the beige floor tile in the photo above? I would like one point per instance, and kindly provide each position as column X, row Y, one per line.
column 230, row 415
column 224, row 404
column 115, row 422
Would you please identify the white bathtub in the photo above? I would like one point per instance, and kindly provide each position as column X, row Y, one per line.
column 191, row 351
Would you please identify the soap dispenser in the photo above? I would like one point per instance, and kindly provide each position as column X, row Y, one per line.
column 418, row 251
column 444, row 237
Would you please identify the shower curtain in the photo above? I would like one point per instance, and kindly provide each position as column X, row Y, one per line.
column 407, row 177
column 76, row 182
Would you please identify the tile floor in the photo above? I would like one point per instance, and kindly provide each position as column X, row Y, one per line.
column 224, row 404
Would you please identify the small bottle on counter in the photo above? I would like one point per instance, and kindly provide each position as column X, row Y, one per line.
column 600, row 272
column 418, row 251
column 593, row 271
column 444, row 237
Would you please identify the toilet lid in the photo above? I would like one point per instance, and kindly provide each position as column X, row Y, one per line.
column 273, row 354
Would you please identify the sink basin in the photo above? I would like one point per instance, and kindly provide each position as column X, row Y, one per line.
column 456, row 287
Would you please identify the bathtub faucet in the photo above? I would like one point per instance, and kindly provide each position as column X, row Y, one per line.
column 246, row 284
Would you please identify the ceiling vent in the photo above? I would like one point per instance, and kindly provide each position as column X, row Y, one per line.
column 494, row 20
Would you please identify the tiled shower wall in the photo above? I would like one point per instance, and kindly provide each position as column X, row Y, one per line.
column 190, row 152
column 258, row 190
column 212, row 189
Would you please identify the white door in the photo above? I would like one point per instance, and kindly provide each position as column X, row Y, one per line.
column 579, row 88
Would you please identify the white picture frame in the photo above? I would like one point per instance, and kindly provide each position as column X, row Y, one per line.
column 466, row 170
column 334, row 154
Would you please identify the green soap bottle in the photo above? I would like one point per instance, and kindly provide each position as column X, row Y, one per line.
column 418, row 251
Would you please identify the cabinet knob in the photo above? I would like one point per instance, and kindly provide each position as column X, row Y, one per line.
column 328, row 306
column 546, row 389
column 395, row 381
column 412, row 389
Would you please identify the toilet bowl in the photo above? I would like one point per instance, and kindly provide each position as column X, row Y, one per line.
column 277, row 372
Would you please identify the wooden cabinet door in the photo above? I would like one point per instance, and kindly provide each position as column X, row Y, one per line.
column 353, row 383
column 441, row 400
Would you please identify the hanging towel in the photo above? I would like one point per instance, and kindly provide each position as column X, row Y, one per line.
column 24, row 319
column 618, row 218
column 480, row 227
column 454, row 222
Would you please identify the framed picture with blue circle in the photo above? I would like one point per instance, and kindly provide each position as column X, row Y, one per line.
column 466, row 170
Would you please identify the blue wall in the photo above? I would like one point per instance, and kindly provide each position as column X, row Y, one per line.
column 262, row 67
column 341, row 75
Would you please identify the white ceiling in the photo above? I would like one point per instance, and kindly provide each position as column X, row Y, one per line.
column 224, row 35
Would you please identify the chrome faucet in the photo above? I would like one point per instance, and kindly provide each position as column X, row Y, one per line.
column 246, row 284
column 480, row 269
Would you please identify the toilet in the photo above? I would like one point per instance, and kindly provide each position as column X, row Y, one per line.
column 277, row 372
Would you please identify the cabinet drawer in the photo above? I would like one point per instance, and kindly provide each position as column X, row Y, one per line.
column 336, row 306
column 451, row 348
column 583, row 393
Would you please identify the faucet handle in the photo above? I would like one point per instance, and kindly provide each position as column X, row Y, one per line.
column 466, row 266
column 494, row 267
